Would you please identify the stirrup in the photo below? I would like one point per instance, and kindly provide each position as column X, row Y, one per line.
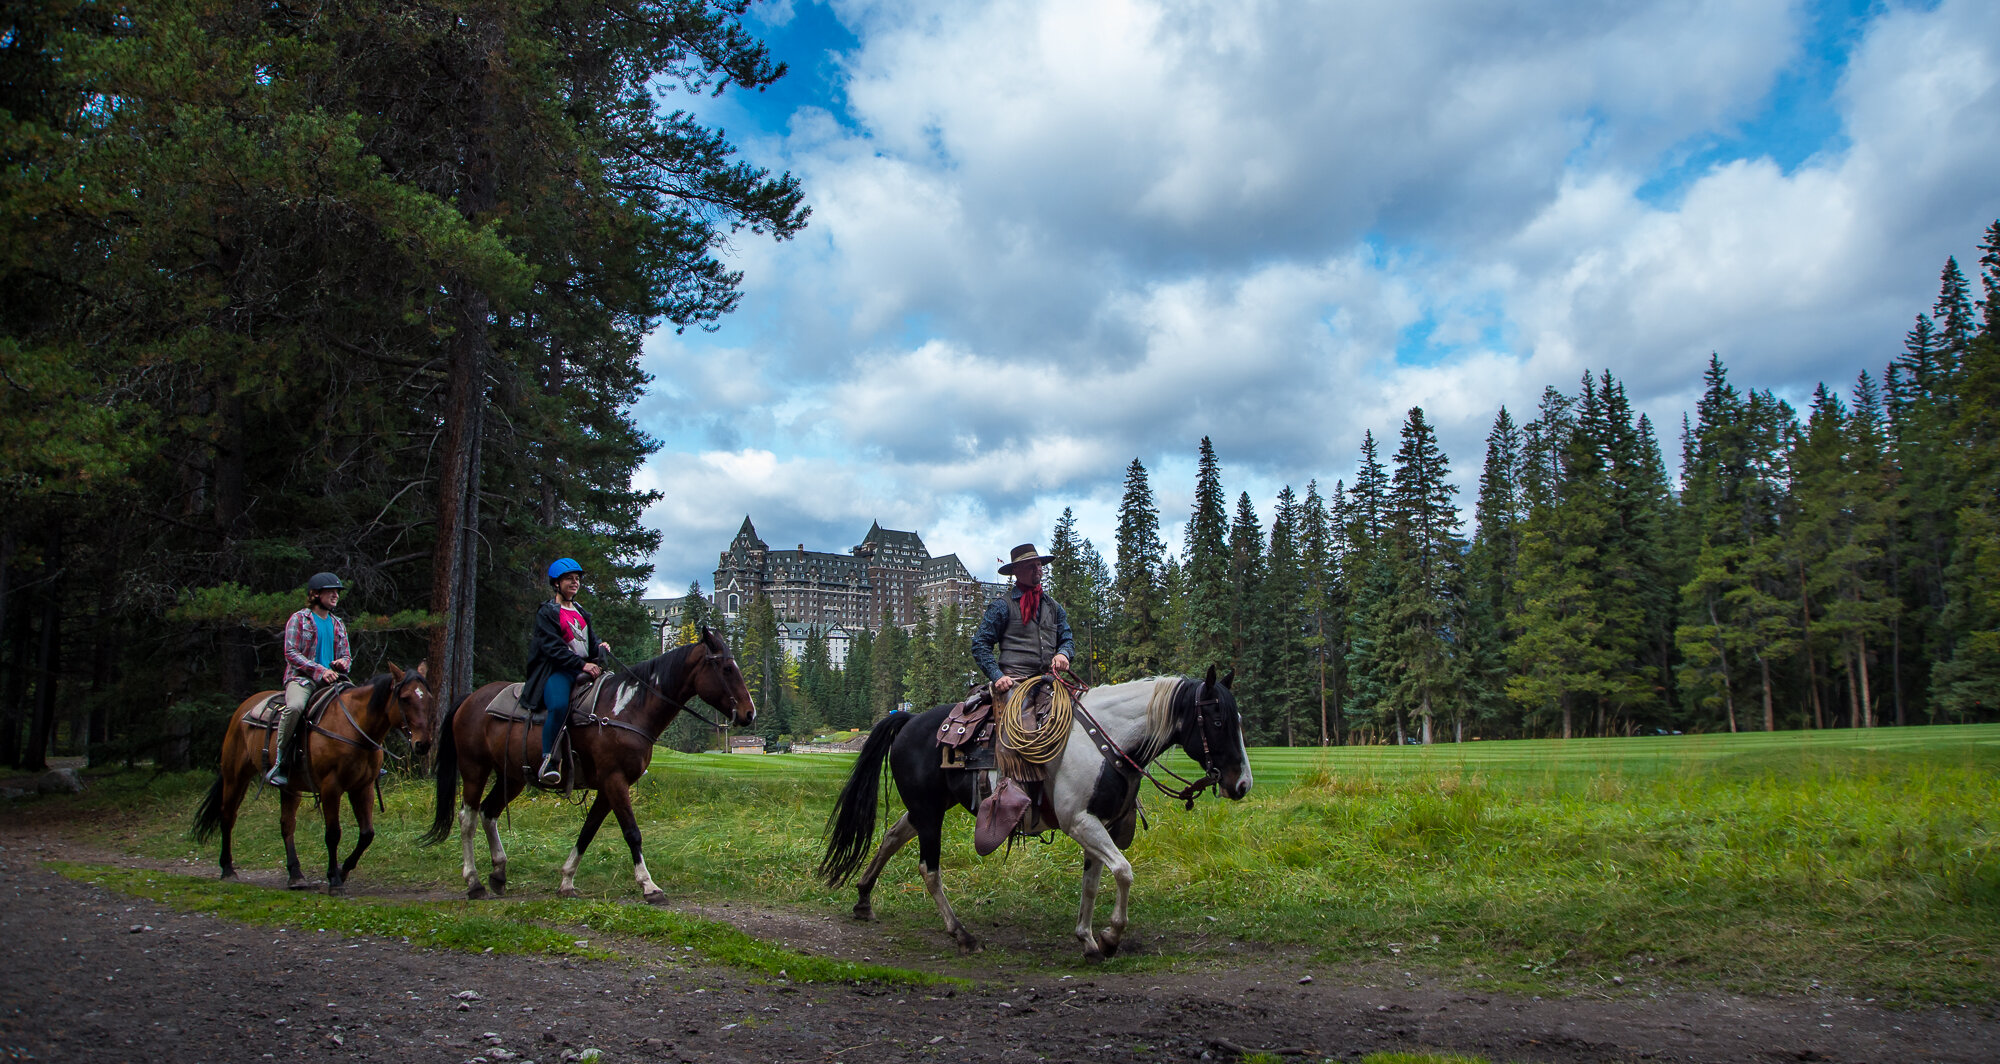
column 550, row 774
column 276, row 777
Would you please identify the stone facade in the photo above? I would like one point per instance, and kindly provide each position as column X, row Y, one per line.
column 887, row 569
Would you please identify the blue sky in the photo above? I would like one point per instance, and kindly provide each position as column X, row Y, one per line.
column 1050, row 236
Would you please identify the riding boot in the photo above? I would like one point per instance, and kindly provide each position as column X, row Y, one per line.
column 550, row 773
column 288, row 723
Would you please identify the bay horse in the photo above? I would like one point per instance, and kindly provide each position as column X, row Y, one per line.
column 1091, row 790
column 613, row 742
column 342, row 756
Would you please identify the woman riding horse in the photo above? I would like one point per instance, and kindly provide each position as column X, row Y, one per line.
column 341, row 755
column 564, row 648
column 613, row 742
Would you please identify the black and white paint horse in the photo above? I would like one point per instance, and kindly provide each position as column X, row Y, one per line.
column 1093, row 796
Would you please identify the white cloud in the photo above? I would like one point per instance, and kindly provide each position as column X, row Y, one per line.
column 1057, row 235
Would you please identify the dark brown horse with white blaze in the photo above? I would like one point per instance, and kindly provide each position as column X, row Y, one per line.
column 1092, row 789
column 613, row 743
column 343, row 756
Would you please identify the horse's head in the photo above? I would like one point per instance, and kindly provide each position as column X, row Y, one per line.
column 717, row 680
column 413, row 705
column 1212, row 734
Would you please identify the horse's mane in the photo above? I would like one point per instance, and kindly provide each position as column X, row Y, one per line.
column 655, row 670
column 1159, row 717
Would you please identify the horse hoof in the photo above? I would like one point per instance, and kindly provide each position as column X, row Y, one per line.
column 476, row 892
column 229, row 873
column 658, row 897
column 297, row 883
column 1108, row 940
column 1093, row 956
column 864, row 912
column 336, row 888
column 569, row 892
column 966, row 943
column 499, row 885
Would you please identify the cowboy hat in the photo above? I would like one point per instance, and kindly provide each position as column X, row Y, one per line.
column 1024, row 553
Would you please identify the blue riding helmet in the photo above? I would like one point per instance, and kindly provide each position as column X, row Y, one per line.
column 562, row 567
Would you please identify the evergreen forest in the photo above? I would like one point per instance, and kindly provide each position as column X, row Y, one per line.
column 1832, row 567
column 363, row 287
column 356, row 287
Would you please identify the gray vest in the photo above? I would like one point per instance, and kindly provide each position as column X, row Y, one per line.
column 1027, row 647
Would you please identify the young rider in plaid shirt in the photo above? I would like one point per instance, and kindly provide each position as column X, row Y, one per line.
column 316, row 652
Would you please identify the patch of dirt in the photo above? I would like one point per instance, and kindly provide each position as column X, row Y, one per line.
column 87, row 974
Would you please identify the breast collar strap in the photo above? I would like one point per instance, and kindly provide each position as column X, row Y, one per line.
column 1190, row 789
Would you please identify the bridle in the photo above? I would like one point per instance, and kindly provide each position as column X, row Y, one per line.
column 1189, row 789
column 364, row 741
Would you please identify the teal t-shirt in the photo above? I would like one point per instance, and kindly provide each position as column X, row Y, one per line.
column 323, row 646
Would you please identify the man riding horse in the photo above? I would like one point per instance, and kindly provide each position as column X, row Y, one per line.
column 1025, row 632
column 316, row 653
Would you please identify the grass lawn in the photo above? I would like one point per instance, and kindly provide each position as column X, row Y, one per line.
column 1864, row 861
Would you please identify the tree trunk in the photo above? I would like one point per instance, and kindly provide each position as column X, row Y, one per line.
column 465, row 384
column 1322, row 702
column 1728, row 695
column 1805, row 640
column 1770, row 714
column 48, row 664
column 1867, row 705
column 1427, row 718
column 1853, row 691
column 1896, row 668
column 1566, row 715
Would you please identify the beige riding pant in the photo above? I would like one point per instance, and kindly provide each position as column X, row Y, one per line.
column 296, row 693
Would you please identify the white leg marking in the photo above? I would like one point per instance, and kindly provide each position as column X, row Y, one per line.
column 569, row 868
column 934, row 883
column 646, row 885
column 894, row 839
column 1091, row 834
column 471, row 870
column 493, row 847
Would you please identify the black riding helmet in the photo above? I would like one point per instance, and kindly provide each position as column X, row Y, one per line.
column 324, row 582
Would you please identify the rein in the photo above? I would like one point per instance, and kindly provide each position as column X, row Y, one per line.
column 679, row 706
column 365, row 742
column 1190, row 789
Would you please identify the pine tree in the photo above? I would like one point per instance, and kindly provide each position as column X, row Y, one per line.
column 1429, row 612
column 1205, row 568
column 1285, row 662
column 890, row 660
column 1969, row 681
column 1246, row 584
column 1137, row 589
column 1492, row 570
column 1321, row 607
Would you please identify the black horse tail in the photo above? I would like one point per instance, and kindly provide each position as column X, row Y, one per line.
column 851, row 827
column 208, row 816
column 447, row 781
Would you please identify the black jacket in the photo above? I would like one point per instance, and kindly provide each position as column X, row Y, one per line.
column 549, row 652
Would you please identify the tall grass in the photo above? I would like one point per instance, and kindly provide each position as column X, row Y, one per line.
column 1863, row 860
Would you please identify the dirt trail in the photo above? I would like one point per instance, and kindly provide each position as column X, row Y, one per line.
column 89, row 975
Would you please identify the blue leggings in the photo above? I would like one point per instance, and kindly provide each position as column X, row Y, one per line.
column 555, row 699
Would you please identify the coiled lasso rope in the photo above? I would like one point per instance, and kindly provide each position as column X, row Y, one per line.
column 1042, row 745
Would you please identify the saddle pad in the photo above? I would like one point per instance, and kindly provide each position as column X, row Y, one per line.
column 507, row 704
column 265, row 714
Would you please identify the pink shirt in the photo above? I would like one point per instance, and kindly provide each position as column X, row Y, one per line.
column 570, row 620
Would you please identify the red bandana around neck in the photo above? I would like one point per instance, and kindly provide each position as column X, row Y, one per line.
column 1031, row 602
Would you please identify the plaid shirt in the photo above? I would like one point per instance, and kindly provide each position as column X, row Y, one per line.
column 302, row 644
